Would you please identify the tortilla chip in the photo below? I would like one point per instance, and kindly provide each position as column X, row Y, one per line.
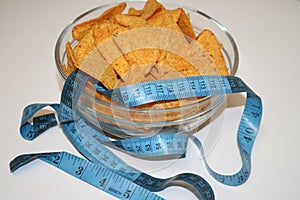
column 111, row 26
column 171, row 16
column 185, row 24
column 140, row 38
column 164, row 18
column 173, row 19
column 100, row 35
column 138, row 74
column 107, row 47
column 81, row 29
column 199, row 57
column 96, row 35
column 112, row 54
column 85, row 46
column 173, row 26
column 150, row 8
column 177, row 65
column 72, row 63
column 138, row 48
column 208, row 40
column 130, row 21
column 156, row 21
column 150, row 72
column 121, row 67
column 134, row 12
column 96, row 66
column 141, row 57
column 144, row 46
column 110, row 78
column 172, row 41
column 104, row 32
column 91, row 61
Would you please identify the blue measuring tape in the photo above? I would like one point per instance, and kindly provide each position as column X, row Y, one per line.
column 105, row 170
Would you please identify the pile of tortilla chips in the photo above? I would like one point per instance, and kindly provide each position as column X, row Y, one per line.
column 119, row 48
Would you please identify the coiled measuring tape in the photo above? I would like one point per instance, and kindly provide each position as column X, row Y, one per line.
column 105, row 170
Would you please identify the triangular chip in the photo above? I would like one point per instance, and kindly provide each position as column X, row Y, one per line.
column 150, row 8
column 164, row 18
column 107, row 47
column 185, row 25
column 130, row 21
column 112, row 54
column 110, row 78
column 81, row 29
column 208, row 40
column 72, row 63
column 138, row 47
column 111, row 26
column 177, row 65
column 134, row 12
column 199, row 58
column 96, row 66
column 85, row 46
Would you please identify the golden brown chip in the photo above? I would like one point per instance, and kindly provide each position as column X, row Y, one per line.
column 198, row 56
column 141, row 57
column 177, row 63
column 173, row 26
column 130, row 21
column 81, row 29
column 210, row 43
column 100, row 35
column 111, row 26
column 96, row 66
column 171, row 16
column 84, row 47
column 150, row 8
column 108, row 48
column 150, row 72
column 90, row 59
column 159, row 46
column 139, row 60
column 185, row 25
column 164, row 18
column 138, row 74
column 121, row 67
column 156, row 21
column 110, row 78
column 173, row 19
column 72, row 63
column 134, row 12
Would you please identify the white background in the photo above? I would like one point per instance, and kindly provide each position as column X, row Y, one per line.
column 267, row 33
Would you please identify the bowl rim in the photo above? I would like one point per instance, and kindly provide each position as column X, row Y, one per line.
column 233, row 68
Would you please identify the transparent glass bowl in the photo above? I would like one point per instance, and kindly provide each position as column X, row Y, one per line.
column 122, row 122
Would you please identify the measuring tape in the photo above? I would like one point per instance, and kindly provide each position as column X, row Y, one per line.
column 104, row 170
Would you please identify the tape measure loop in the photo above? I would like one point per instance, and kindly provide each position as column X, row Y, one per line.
column 31, row 130
column 104, row 170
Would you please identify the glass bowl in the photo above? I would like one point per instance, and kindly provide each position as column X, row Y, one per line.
column 186, row 116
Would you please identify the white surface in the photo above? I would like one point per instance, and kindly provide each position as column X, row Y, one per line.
column 267, row 33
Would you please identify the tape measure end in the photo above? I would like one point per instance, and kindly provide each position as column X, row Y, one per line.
column 20, row 161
